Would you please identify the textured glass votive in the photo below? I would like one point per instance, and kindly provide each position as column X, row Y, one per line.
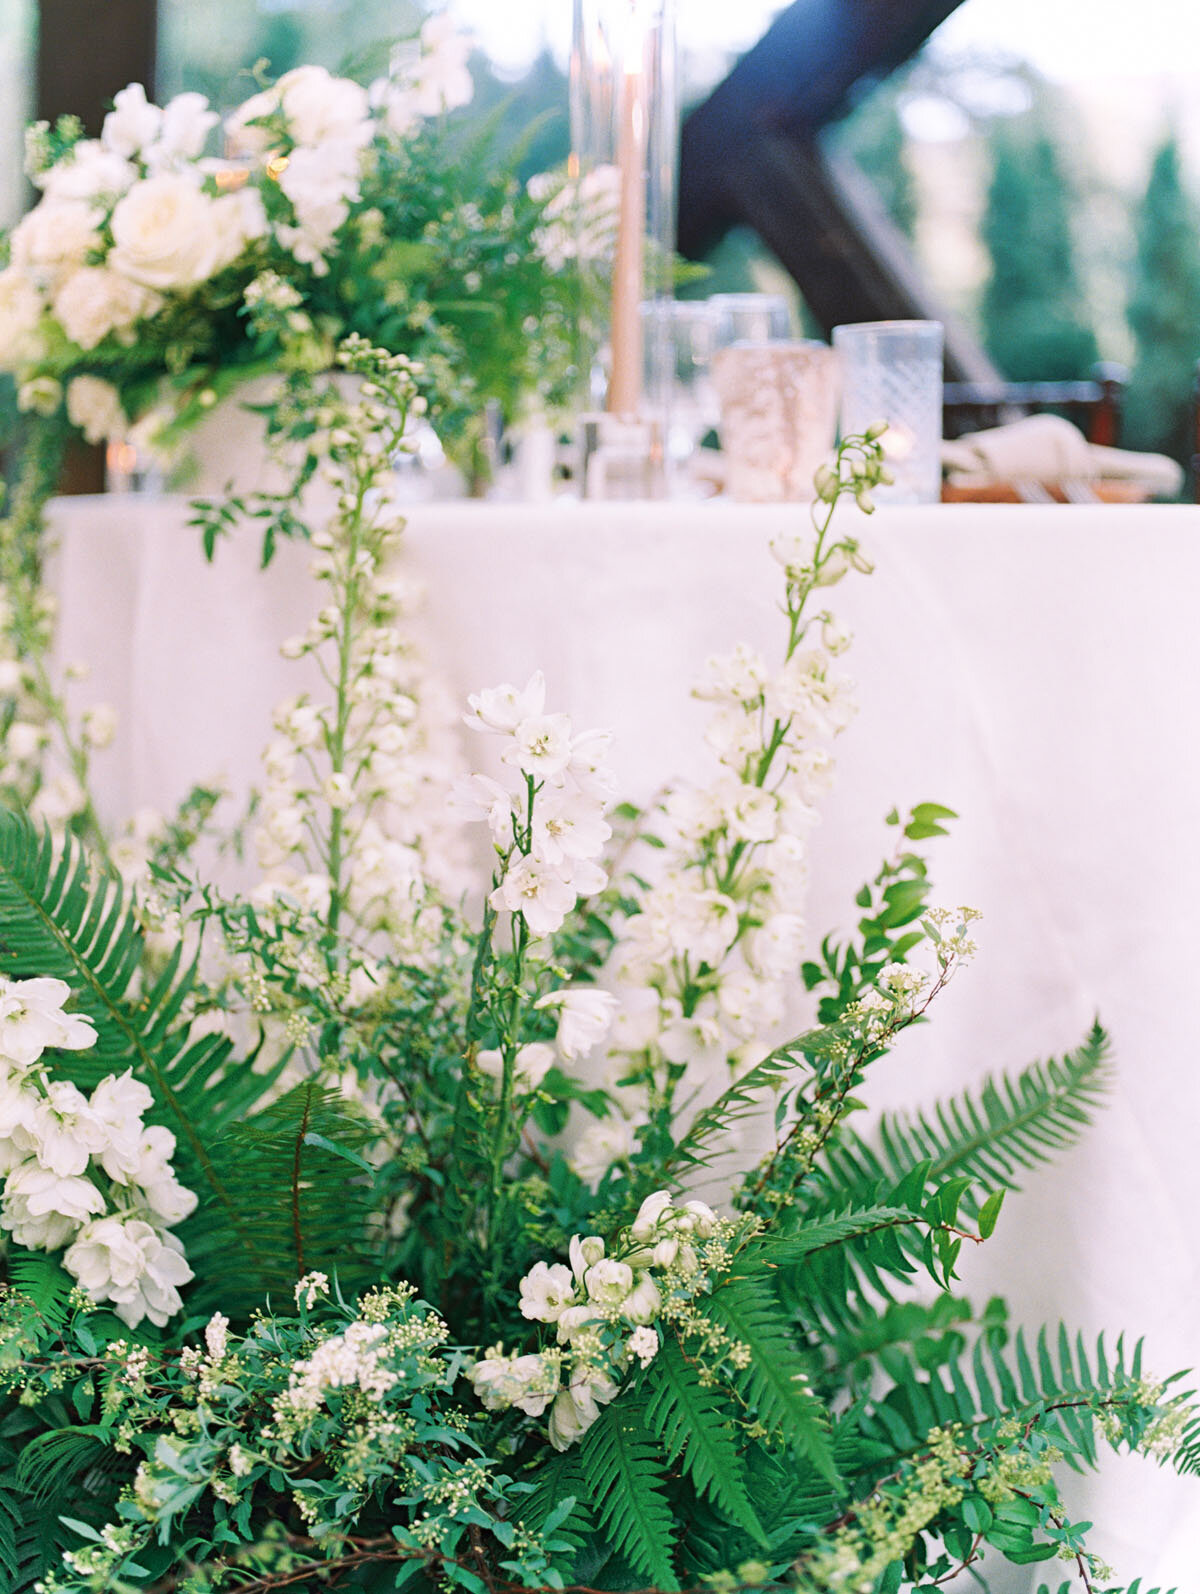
column 892, row 371
column 778, row 416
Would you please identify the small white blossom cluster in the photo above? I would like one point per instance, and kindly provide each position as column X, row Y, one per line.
column 603, row 1310
column 132, row 221
column 550, row 832
column 581, row 214
column 86, row 1172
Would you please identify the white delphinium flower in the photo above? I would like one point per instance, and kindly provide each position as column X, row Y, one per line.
column 577, row 1407
column 43, row 1211
column 539, row 892
column 736, row 677
column 128, row 1262
column 529, row 1383
column 546, row 1291
column 32, row 1018
column 503, row 708
column 605, row 1142
column 608, row 1282
column 65, row 1131
column 132, row 124
column 531, row 1064
column 584, row 1018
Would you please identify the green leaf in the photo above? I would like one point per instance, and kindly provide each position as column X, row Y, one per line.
column 695, row 1429
column 620, row 1462
column 989, row 1212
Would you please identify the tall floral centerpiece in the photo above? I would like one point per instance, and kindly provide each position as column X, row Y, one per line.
column 366, row 1233
column 176, row 257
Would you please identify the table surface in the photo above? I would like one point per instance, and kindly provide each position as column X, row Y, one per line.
column 1035, row 668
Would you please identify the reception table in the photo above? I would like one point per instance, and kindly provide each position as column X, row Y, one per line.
column 1037, row 669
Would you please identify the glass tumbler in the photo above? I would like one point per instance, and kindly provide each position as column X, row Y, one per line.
column 892, row 371
column 750, row 318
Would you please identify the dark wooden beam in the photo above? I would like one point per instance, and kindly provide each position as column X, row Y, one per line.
column 802, row 74
column 822, row 219
column 88, row 50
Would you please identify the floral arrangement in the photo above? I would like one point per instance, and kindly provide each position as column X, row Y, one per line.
column 174, row 258
column 370, row 1229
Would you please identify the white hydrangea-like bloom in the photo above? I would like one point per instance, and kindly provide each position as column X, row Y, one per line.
column 128, row 1262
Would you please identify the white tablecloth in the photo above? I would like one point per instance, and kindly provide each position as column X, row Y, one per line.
column 1036, row 669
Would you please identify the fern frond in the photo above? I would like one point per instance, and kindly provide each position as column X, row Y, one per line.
column 775, row 1382
column 50, row 1463
column 620, row 1462
column 559, row 1479
column 1012, row 1125
column 44, row 1283
column 694, row 1428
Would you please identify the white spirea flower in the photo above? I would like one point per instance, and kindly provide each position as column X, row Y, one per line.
column 584, row 1018
column 642, row 1344
column 216, row 1335
column 546, row 1290
column 128, row 1262
column 94, row 406
column 310, row 1288
column 32, row 1017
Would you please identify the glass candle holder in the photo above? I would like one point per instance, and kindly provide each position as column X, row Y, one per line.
column 624, row 136
column 892, row 371
column 750, row 318
column 778, row 416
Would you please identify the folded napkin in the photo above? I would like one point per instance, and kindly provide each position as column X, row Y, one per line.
column 1047, row 448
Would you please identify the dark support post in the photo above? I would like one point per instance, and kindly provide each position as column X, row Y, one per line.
column 87, row 51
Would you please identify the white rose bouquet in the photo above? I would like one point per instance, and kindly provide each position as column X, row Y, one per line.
column 371, row 1234
column 172, row 258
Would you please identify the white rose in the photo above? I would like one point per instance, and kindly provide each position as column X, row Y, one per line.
column 94, row 301
column 321, row 108
column 132, row 123
column 166, row 232
column 55, row 238
column 94, row 406
column 20, row 312
column 89, row 172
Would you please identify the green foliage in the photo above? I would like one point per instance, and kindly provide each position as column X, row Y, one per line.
column 1164, row 312
column 693, row 1426
column 620, row 1461
column 992, row 1137
column 1034, row 327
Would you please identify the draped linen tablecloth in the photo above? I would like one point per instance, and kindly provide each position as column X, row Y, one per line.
column 1036, row 669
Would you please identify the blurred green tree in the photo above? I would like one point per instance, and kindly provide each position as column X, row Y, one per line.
column 1164, row 311
column 1033, row 324
column 873, row 136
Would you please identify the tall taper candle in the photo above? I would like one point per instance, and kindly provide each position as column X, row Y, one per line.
column 625, row 380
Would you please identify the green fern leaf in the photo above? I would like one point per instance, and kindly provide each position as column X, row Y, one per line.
column 776, row 1380
column 557, row 1480
column 621, row 1465
column 694, row 1428
column 50, row 1463
column 1012, row 1125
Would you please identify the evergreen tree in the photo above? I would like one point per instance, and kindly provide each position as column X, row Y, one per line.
column 1034, row 327
column 1164, row 312
column 873, row 136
